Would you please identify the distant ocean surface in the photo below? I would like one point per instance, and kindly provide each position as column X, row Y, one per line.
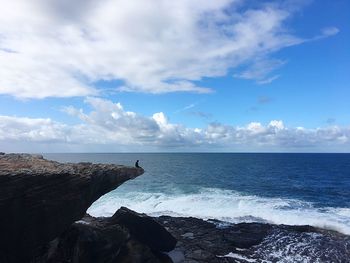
column 294, row 189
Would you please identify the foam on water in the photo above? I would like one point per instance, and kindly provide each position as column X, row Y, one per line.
column 288, row 247
column 237, row 256
column 226, row 205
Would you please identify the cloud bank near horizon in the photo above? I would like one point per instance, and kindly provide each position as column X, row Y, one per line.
column 108, row 127
column 61, row 48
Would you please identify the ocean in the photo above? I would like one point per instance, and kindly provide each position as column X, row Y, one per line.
column 288, row 188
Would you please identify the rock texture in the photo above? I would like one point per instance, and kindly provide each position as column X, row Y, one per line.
column 89, row 240
column 43, row 220
column 93, row 240
column 145, row 229
column 215, row 241
column 40, row 199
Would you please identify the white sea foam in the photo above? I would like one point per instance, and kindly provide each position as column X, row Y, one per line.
column 237, row 256
column 226, row 205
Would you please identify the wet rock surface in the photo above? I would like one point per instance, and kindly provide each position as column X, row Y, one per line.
column 213, row 241
column 40, row 199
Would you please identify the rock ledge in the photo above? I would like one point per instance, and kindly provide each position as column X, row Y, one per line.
column 40, row 199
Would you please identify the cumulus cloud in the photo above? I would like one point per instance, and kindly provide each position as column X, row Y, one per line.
column 29, row 129
column 108, row 126
column 63, row 48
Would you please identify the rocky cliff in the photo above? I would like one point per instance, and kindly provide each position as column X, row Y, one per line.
column 40, row 199
column 43, row 220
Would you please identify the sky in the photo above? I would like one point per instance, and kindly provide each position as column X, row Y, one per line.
column 174, row 76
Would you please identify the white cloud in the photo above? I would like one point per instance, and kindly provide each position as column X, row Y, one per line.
column 277, row 125
column 330, row 31
column 260, row 69
column 190, row 106
column 116, row 124
column 254, row 128
column 109, row 127
column 268, row 80
column 325, row 32
column 29, row 129
column 61, row 48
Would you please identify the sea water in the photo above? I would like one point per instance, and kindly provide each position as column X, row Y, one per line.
column 293, row 189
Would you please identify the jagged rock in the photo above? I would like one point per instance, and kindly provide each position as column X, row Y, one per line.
column 94, row 240
column 90, row 241
column 40, row 199
column 137, row 252
column 145, row 229
column 253, row 242
column 247, row 235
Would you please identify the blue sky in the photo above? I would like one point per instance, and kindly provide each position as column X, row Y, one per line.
column 228, row 75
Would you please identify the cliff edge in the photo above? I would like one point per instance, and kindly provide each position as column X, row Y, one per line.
column 40, row 199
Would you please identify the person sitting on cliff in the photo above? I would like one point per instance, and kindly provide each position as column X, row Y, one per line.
column 137, row 164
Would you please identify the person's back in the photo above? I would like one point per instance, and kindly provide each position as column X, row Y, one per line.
column 137, row 164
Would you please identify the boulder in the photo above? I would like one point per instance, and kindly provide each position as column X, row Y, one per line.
column 145, row 229
column 95, row 240
column 88, row 240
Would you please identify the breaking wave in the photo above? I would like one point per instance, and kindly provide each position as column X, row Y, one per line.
column 226, row 205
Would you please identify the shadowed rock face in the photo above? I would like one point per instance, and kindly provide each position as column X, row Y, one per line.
column 88, row 240
column 145, row 229
column 39, row 199
column 91, row 240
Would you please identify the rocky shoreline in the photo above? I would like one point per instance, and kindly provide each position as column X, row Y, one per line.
column 43, row 219
column 215, row 241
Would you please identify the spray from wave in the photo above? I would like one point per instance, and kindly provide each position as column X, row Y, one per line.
column 226, row 205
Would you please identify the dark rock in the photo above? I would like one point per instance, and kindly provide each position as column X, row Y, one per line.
column 137, row 252
column 253, row 242
column 40, row 199
column 245, row 235
column 177, row 256
column 94, row 240
column 145, row 229
column 89, row 241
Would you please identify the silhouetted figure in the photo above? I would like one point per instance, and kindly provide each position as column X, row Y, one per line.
column 137, row 164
